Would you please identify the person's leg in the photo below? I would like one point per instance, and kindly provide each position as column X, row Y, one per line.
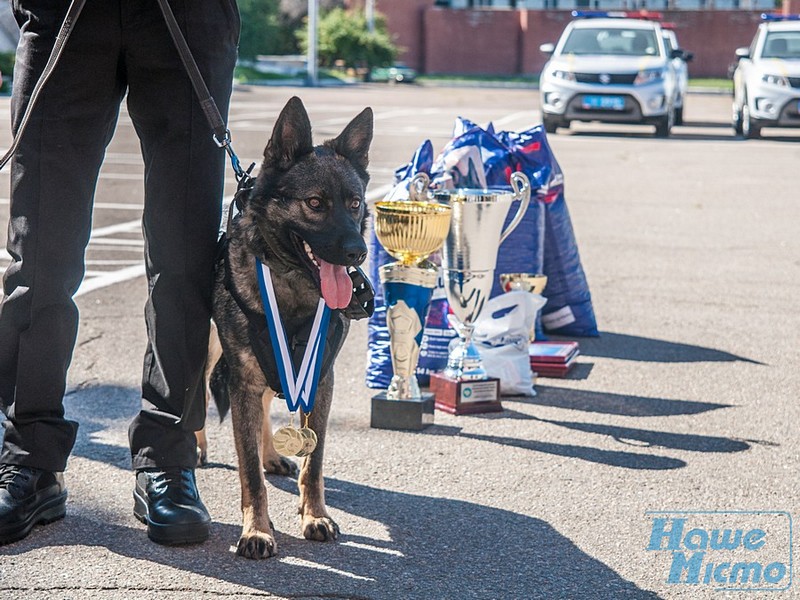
column 183, row 193
column 53, row 177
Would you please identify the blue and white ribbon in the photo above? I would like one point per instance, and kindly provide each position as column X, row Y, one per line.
column 299, row 388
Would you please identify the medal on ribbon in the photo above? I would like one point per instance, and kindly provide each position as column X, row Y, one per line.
column 299, row 387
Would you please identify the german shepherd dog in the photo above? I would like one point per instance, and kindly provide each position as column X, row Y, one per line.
column 304, row 218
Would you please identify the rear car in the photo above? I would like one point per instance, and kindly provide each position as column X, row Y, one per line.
column 610, row 68
column 393, row 74
column 680, row 64
column 766, row 81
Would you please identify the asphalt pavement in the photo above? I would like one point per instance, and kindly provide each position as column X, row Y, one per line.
column 681, row 418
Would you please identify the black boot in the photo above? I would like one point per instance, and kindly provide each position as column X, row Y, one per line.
column 168, row 502
column 28, row 496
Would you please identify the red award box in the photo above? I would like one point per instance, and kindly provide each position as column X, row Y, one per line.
column 553, row 359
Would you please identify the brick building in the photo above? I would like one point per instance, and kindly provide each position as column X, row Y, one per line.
column 502, row 37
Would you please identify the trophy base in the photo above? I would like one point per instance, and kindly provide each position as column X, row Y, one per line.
column 407, row 415
column 466, row 397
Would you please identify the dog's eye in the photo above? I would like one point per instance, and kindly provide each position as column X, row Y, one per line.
column 355, row 203
column 314, row 203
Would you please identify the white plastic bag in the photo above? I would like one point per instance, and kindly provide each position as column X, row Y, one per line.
column 502, row 336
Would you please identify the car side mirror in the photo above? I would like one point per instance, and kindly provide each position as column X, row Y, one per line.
column 547, row 48
column 676, row 53
column 743, row 52
column 688, row 56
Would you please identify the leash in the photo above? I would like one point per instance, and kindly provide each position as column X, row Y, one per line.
column 221, row 135
column 74, row 10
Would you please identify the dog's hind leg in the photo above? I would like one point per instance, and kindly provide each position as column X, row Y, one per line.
column 214, row 354
column 257, row 539
column 274, row 463
column 315, row 521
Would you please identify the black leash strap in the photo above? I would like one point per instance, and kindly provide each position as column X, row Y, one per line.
column 55, row 54
column 222, row 136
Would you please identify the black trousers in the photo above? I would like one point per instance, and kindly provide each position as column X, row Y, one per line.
column 117, row 47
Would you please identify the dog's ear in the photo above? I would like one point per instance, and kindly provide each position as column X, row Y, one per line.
column 291, row 136
column 353, row 143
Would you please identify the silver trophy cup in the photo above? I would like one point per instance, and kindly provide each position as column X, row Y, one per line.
column 469, row 258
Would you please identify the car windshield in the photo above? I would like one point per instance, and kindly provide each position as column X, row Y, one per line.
column 782, row 44
column 622, row 42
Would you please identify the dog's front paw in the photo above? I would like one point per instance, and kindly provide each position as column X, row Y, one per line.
column 280, row 465
column 258, row 544
column 321, row 529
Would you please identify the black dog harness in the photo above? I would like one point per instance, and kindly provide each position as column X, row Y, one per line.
column 361, row 306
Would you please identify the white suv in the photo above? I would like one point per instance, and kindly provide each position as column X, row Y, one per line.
column 681, row 67
column 766, row 82
column 609, row 69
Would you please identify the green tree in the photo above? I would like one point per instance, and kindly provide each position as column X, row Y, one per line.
column 344, row 36
column 263, row 31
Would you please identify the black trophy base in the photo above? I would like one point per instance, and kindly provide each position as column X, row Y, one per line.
column 408, row 415
column 466, row 397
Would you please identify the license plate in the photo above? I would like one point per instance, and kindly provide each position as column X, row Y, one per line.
column 603, row 102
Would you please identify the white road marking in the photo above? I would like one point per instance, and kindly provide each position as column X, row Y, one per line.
column 110, row 278
column 373, row 548
column 101, row 205
column 523, row 114
column 117, row 228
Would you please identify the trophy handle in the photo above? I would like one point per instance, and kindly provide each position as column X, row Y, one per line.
column 522, row 192
column 418, row 188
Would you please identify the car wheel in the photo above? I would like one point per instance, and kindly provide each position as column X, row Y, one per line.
column 550, row 123
column 679, row 116
column 737, row 119
column 751, row 128
column 665, row 123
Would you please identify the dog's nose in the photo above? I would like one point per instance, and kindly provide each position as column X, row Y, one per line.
column 356, row 257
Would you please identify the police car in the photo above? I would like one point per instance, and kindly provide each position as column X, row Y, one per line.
column 766, row 82
column 681, row 67
column 612, row 68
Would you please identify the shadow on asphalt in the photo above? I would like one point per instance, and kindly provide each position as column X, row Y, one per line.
column 638, row 438
column 617, row 404
column 632, row 347
column 438, row 548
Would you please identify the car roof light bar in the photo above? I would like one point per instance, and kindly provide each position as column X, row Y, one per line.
column 618, row 14
column 774, row 17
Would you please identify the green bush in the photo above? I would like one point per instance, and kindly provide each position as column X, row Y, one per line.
column 345, row 38
column 7, row 69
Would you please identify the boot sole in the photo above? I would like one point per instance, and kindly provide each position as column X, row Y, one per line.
column 168, row 535
column 51, row 510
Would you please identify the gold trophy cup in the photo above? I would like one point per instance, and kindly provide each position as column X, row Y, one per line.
column 526, row 282
column 410, row 230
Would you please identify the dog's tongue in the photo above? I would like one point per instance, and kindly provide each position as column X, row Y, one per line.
column 337, row 287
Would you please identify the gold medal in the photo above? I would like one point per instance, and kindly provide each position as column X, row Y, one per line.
column 288, row 441
column 309, row 441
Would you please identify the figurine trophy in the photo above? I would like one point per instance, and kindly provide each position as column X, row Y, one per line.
column 469, row 259
column 409, row 230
